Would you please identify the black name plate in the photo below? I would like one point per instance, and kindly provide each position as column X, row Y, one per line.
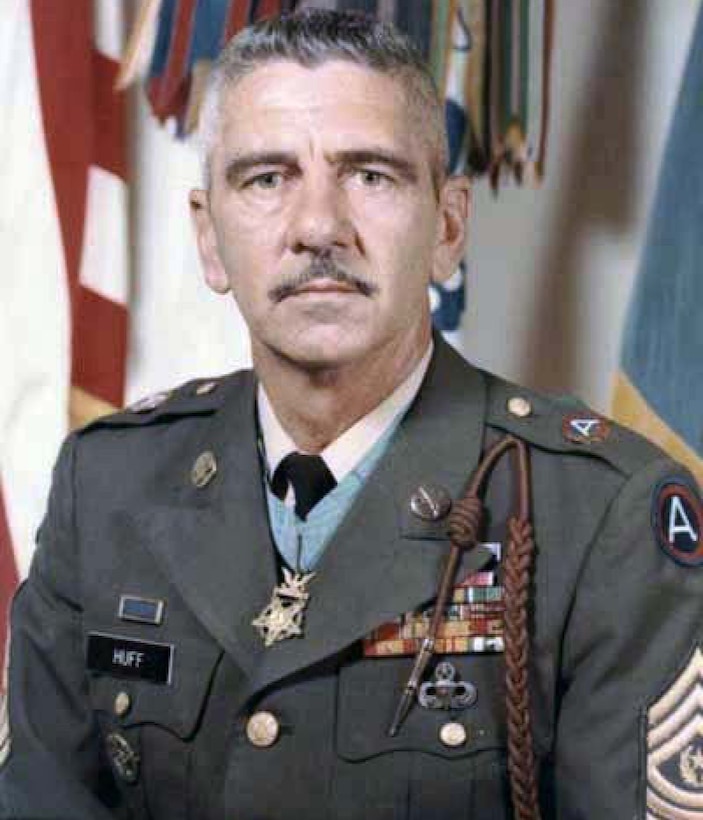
column 128, row 658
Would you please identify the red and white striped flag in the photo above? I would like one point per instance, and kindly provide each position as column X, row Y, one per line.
column 63, row 241
column 8, row 574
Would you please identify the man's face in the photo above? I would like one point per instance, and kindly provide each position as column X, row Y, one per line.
column 322, row 218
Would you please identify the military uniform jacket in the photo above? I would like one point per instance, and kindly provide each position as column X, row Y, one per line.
column 615, row 617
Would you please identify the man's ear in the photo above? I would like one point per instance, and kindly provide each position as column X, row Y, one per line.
column 215, row 274
column 455, row 208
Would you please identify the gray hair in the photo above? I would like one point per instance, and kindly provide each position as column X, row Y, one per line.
column 312, row 37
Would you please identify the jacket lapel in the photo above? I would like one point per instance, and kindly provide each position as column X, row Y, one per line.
column 383, row 561
column 214, row 542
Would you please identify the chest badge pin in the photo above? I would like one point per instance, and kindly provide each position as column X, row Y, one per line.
column 283, row 616
column 444, row 691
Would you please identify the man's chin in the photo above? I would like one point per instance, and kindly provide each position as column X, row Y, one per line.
column 320, row 360
column 325, row 351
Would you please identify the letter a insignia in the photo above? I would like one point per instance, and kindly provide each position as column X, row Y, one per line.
column 581, row 428
column 678, row 521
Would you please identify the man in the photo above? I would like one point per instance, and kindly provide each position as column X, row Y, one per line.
column 216, row 626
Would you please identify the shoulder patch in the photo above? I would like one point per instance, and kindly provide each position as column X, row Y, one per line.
column 674, row 746
column 677, row 518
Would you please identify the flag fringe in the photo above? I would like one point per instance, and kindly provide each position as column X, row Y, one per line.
column 631, row 409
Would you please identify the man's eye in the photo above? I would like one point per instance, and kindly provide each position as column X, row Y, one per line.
column 371, row 178
column 267, row 181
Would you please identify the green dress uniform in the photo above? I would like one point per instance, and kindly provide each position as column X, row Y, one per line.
column 139, row 688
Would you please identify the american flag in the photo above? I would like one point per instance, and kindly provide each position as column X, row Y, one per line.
column 65, row 248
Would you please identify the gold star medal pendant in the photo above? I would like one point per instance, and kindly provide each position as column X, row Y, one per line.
column 283, row 616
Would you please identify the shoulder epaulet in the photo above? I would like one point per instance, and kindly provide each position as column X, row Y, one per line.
column 196, row 397
column 564, row 424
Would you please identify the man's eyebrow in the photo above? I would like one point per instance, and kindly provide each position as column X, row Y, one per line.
column 242, row 163
column 363, row 156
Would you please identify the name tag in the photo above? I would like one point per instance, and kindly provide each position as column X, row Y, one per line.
column 129, row 658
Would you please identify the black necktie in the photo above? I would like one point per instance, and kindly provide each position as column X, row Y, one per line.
column 310, row 477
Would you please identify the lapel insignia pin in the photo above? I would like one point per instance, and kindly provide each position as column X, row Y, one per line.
column 430, row 502
column 204, row 469
column 444, row 691
column 283, row 616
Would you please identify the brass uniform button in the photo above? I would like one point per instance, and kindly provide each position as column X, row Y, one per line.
column 520, row 407
column 204, row 469
column 453, row 734
column 263, row 729
column 430, row 502
column 205, row 388
column 123, row 703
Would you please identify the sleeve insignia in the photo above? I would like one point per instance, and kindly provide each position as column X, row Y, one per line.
column 4, row 730
column 674, row 747
column 586, row 428
column 677, row 518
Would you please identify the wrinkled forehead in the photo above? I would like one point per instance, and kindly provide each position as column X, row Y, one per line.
column 339, row 103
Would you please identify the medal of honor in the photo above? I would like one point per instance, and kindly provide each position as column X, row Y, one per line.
column 283, row 616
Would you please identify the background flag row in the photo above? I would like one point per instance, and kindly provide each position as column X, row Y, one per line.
column 490, row 59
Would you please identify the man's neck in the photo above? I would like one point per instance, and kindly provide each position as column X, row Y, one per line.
column 335, row 398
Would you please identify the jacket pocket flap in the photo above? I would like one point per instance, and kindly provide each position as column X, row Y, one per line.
column 176, row 703
column 370, row 690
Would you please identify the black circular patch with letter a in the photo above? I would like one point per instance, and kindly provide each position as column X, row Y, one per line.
column 677, row 517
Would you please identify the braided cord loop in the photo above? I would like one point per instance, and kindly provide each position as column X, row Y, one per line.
column 465, row 521
column 517, row 566
column 522, row 768
column 464, row 527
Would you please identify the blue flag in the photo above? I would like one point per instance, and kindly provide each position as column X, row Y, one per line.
column 660, row 387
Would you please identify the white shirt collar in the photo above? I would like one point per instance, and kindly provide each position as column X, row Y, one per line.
column 346, row 451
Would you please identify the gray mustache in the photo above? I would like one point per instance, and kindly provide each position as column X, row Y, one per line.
column 321, row 268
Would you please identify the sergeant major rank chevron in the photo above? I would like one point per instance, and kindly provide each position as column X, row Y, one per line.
column 675, row 747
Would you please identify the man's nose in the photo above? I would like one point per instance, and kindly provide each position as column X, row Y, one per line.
column 320, row 218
